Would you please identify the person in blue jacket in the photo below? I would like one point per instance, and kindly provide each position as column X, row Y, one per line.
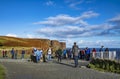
column 12, row 53
column 87, row 52
column 64, row 53
column 37, row 54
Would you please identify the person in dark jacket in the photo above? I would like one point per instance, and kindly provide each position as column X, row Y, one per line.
column 59, row 53
column 23, row 53
column 75, row 50
column 87, row 52
column 12, row 53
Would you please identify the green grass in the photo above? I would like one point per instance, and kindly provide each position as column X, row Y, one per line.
column 2, row 72
column 2, row 41
column 105, row 65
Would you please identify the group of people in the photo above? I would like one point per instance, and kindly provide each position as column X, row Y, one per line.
column 37, row 55
column 74, row 53
column 14, row 53
column 85, row 53
column 4, row 53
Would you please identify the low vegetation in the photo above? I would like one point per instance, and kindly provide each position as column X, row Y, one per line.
column 105, row 65
column 2, row 72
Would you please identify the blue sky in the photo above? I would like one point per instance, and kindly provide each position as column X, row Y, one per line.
column 90, row 23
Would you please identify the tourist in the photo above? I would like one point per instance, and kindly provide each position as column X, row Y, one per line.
column 87, row 52
column 93, row 52
column 44, row 58
column 16, row 52
column 82, row 54
column 49, row 53
column 3, row 53
column 69, row 53
column 12, row 53
column 39, row 54
column 101, row 52
column 33, row 55
column 59, row 54
column 22, row 53
column 64, row 53
column 75, row 51
column 106, row 54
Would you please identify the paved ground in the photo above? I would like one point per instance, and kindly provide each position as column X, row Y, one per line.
column 22, row 69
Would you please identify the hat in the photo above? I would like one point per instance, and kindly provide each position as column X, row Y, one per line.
column 34, row 49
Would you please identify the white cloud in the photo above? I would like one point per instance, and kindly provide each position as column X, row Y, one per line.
column 115, row 19
column 76, row 31
column 30, row 36
column 89, row 14
column 50, row 3
column 72, row 28
column 62, row 19
column 12, row 35
column 75, row 4
column 82, row 43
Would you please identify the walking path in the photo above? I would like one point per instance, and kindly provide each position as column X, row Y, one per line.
column 22, row 69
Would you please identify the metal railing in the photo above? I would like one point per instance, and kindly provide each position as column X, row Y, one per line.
column 111, row 55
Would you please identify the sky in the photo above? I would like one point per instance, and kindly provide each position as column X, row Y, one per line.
column 89, row 23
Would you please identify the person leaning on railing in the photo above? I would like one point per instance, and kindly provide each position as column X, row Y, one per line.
column 93, row 52
column 106, row 53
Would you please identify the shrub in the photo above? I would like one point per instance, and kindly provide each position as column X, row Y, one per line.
column 105, row 65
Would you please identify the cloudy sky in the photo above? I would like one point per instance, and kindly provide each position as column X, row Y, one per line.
column 90, row 23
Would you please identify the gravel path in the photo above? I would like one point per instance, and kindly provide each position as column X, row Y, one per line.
column 22, row 69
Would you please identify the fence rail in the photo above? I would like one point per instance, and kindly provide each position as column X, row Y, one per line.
column 111, row 55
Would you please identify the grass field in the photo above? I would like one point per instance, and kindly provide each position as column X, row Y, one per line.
column 2, row 72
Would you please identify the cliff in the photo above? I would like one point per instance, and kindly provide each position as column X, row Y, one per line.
column 26, row 42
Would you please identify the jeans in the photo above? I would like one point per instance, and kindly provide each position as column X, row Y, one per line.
column 22, row 56
column 37, row 58
column 59, row 58
column 76, row 60
column 49, row 56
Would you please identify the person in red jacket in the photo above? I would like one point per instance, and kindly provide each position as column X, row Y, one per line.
column 93, row 52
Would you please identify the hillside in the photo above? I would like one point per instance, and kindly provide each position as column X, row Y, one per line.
column 27, row 42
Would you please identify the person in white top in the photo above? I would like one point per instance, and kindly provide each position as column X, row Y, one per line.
column 49, row 53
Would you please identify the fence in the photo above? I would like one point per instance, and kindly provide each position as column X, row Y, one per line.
column 111, row 55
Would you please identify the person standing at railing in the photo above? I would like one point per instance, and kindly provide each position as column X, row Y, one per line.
column 106, row 53
column 87, row 53
column 93, row 52
column 101, row 52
